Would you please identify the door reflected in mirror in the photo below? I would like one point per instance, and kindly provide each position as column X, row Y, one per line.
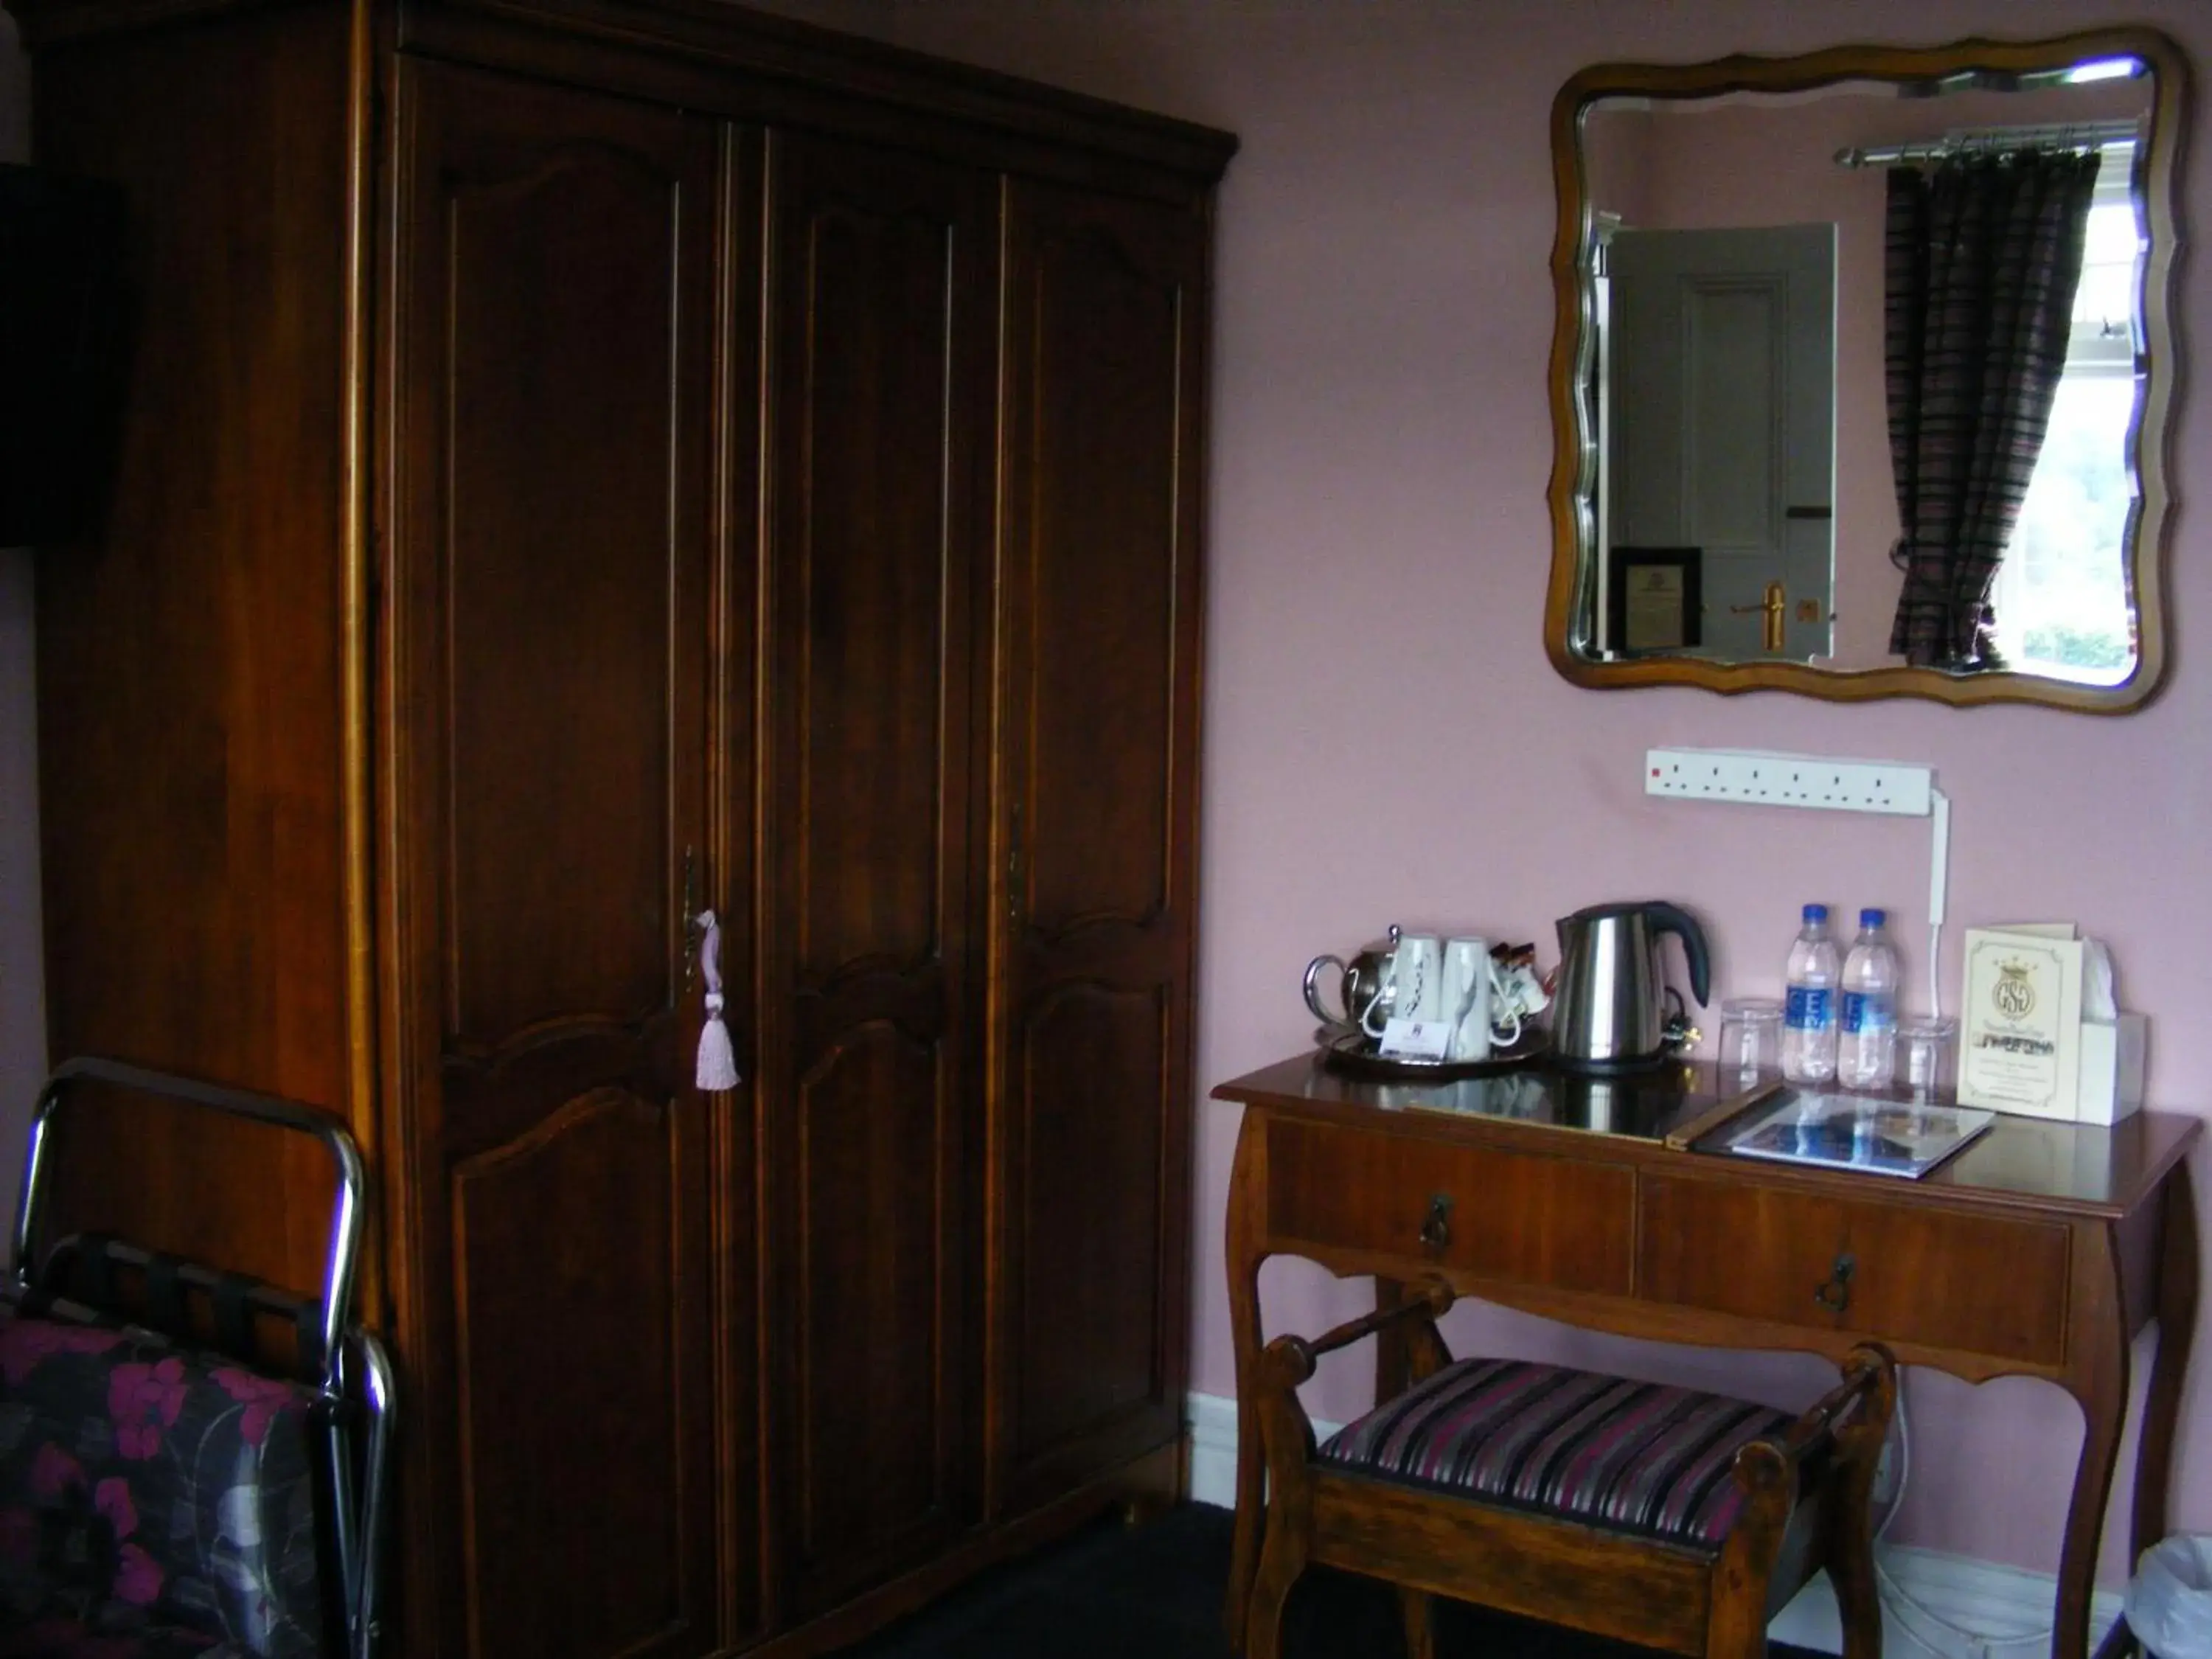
column 1870, row 351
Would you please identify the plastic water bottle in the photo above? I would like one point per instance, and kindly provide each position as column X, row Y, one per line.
column 1808, row 1020
column 1866, row 1058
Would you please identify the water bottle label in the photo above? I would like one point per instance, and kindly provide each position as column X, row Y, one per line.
column 1810, row 1008
column 1868, row 1011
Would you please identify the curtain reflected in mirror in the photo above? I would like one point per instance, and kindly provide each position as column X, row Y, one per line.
column 1983, row 253
column 1876, row 345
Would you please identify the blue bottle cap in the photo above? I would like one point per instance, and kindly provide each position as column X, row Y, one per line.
column 1873, row 918
column 1816, row 913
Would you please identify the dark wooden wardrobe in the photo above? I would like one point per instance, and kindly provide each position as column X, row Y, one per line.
column 587, row 462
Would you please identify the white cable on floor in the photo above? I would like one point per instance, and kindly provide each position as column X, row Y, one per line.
column 1901, row 1600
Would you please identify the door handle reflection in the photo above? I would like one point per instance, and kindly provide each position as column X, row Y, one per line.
column 1773, row 625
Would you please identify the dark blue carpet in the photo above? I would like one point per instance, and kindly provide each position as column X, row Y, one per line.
column 1154, row 1592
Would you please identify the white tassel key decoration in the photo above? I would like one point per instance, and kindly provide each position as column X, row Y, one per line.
column 718, row 1065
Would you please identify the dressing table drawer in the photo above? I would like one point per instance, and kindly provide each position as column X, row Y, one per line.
column 1986, row 1285
column 1562, row 1223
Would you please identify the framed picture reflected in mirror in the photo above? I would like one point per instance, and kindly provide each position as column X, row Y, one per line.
column 1653, row 599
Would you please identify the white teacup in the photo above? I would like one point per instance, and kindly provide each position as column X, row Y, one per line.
column 1477, row 1002
column 1412, row 984
column 1521, row 988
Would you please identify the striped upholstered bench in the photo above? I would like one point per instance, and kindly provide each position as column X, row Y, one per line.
column 1667, row 1516
column 1634, row 1457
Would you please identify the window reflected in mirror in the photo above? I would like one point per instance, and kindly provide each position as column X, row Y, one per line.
column 2061, row 594
column 1867, row 352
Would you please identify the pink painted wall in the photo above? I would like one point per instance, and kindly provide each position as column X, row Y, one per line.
column 1379, row 543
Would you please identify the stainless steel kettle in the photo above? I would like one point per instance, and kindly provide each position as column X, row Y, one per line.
column 1609, row 1013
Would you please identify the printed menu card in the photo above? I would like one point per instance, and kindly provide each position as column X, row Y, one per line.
column 2020, row 1023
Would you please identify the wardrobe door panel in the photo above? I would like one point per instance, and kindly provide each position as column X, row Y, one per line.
column 548, row 670
column 1096, row 811
column 879, row 344
column 1089, row 1187
column 870, row 1156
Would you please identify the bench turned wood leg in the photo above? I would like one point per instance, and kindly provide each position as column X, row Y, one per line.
column 1735, row 1623
column 1286, row 1433
column 1735, row 1627
column 1282, row 1558
column 1848, row 1529
column 1421, row 1623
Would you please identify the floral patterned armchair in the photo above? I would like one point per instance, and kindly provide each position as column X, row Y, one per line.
column 160, row 1496
column 153, row 1501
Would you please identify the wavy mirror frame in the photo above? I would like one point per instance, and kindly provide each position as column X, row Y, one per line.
column 1575, row 447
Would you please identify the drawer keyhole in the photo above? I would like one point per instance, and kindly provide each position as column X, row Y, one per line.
column 1435, row 1231
column 1835, row 1295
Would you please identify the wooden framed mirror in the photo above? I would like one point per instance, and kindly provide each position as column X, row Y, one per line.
column 1866, row 359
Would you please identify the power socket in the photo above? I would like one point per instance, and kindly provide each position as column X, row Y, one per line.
column 1750, row 778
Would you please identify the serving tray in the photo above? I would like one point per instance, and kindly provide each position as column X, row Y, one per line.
column 1352, row 1053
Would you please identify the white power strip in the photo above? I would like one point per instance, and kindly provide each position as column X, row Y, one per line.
column 1748, row 777
column 1752, row 778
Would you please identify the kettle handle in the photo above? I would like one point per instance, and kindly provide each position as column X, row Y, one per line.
column 1673, row 919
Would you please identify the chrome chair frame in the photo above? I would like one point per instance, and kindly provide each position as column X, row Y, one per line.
column 353, row 1362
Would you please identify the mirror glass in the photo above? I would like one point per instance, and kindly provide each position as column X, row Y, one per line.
column 1863, row 368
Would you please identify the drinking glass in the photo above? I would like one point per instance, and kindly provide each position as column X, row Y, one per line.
column 1927, row 1050
column 1751, row 1041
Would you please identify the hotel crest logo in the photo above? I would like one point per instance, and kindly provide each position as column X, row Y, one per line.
column 2013, row 995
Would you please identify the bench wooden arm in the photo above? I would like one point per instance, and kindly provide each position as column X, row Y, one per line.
column 1869, row 1382
column 1285, row 1431
column 1290, row 1359
column 1829, row 1425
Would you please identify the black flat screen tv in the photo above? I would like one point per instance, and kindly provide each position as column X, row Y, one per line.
column 62, row 327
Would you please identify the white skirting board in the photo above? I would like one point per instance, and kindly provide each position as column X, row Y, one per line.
column 2009, row 1609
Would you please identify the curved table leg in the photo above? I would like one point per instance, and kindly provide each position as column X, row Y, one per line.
column 2100, row 1385
column 2177, row 1322
column 1244, row 1253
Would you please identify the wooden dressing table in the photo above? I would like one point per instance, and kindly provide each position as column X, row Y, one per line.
column 2040, row 1250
